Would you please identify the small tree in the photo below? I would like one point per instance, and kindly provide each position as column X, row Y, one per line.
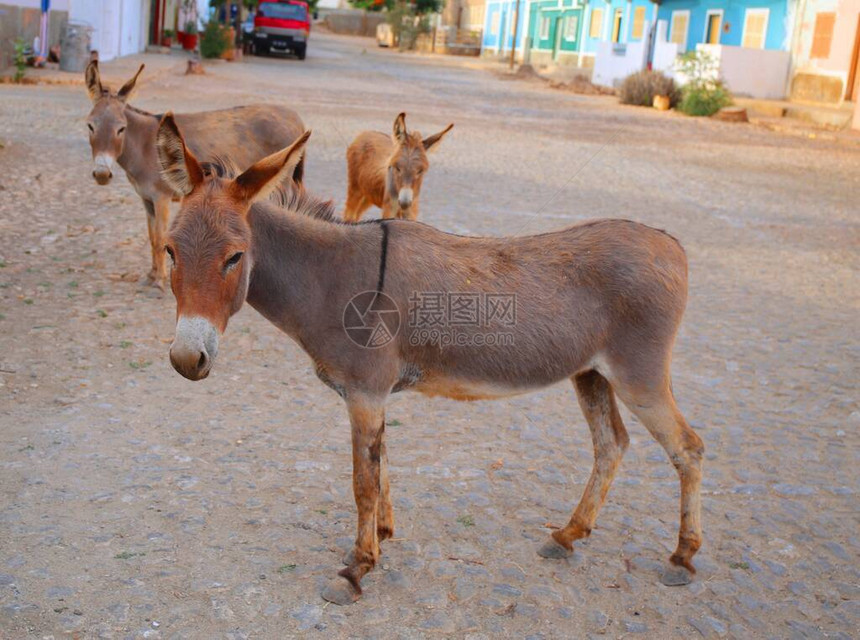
column 20, row 59
column 409, row 19
column 214, row 40
column 704, row 92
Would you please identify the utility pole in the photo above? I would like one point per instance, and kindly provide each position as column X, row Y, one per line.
column 516, row 28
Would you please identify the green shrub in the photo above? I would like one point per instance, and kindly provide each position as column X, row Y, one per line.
column 20, row 59
column 704, row 93
column 705, row 100
column 214, row 40
column 640, row 88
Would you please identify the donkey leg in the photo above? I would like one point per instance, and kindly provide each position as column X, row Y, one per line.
column 367, row 419
column 412, row 214
column 660, row 415
column 390, row 209
column 610, row 442
column 159, row 257
column 384, row 509
column 356, row 205
column 385, row 514
column 149, row 205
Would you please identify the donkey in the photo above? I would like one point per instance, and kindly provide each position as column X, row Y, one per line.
column 122, row 134
column 388, row 171
column 599, row 303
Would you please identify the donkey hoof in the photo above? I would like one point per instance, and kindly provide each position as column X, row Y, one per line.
column 340, row 591
column 349, row 558
column 676, row 576
column 553, row 549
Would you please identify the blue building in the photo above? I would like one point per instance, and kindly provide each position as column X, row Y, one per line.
column 568, row 32
column 499, row 19
column 563, row 32
column 752, row 24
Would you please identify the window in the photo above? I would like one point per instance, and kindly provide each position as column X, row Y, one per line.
column 571, row 28
column 544, row 27
column 713, row 25
column 823, row 35
column 638, row 23
column 282, row 11
column 680, row 23
column 596, row 23
column 755, row 28
column 494, row 24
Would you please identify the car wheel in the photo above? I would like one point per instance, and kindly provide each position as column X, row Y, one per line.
column 301, row 52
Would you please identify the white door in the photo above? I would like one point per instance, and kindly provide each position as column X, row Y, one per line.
column 130, row 27
column 109, row 39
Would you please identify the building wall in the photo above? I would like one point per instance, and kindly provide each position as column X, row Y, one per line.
column 498, row 26
column 779, row 21
column 824, row 78
column 119, row 26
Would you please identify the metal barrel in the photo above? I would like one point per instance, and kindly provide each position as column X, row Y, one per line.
column 75, row 47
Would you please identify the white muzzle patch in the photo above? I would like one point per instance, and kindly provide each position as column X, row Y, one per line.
column 194, row 347
column 405, row 198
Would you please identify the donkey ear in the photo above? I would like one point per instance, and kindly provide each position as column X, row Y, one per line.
column 179, row 167
column 399, row 133
column 263, row 177
column 128, row 88
column 431, row 142
column 93, row 80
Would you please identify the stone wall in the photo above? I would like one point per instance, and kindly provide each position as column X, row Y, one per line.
column 353, row 22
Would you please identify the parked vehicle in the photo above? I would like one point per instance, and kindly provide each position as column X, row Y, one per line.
column 281, row 25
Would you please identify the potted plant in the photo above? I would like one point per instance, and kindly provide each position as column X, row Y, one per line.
column 167, row 38
column 190, row 40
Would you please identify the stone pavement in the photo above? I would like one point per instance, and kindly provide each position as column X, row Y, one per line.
column 135, row 504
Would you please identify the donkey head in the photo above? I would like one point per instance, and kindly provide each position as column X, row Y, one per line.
column 409, row 162
column 106, row 122
column 209, row 242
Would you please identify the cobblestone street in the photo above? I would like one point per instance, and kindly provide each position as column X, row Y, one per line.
column 137, row 504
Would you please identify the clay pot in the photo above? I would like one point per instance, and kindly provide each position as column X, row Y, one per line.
column 662, row 103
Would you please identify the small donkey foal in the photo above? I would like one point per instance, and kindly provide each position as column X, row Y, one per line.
column 387, row 171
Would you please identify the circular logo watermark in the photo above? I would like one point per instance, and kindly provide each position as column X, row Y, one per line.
column 371, row 319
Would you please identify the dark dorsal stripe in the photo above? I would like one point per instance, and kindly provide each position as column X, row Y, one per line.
column 383, row 257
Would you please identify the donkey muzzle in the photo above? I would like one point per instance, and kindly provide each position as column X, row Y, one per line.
column 404, row 198
column 194, row 347
column 103, row 168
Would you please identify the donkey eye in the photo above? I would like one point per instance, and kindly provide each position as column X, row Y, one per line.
column 233, row 260
column 120, row 131
column 90, row 127
column 170, row 253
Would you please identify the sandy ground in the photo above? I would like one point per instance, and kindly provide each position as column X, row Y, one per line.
column 134, row 503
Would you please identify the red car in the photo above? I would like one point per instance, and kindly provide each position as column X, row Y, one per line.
column 281, row 25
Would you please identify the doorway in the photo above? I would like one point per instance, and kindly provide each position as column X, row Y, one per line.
column 616, row 26
column 852, row 87
column 713, row 25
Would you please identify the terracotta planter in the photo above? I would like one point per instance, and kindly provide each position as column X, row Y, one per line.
column 662, row 103
column 180, row 38
column 167, row 41
column 190, row 42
